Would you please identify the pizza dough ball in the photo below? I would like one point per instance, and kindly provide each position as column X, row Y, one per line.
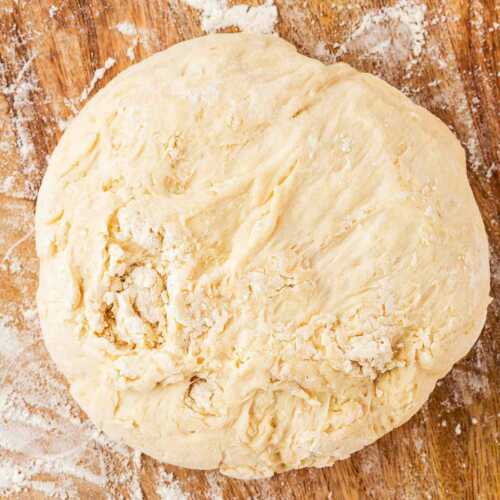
column 255, row 262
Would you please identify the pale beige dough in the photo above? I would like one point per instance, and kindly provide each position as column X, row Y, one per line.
column 254, row 262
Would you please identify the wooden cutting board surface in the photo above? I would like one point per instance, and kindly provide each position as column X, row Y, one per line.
column 53, row 55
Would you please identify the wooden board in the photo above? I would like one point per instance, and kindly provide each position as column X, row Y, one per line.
column 443, row 54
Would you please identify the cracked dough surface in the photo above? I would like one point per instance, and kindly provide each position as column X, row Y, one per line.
column 254, row 262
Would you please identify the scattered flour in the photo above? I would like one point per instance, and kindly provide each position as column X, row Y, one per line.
column 20, row 92
column 11, row 345
column 6, row 185
column 395, row 39
column 168, row 488
column 98, row 75
column 134, row 482
column 467, row 386
column 217, row 15
column 62, row 124
column 491, row 170
column 137, row 36
column 321, row 51
column 47, row 445
column 369, row 460
column 7, row 255
column 398, row 30
column 126, row 28
column 131, row 51
column 214, row 488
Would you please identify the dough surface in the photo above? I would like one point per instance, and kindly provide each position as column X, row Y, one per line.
column 255, row 262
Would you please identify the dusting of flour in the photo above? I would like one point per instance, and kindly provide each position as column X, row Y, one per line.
column 398, row 32
column 98, row 75
column 168, row 488
column 20, row 93
column 136, row 36
column 126, row 28
column 217, row 15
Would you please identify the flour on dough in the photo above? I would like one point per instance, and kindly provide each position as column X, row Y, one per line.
column 254, row 262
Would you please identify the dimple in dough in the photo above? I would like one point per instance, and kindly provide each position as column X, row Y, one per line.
column 254, row 262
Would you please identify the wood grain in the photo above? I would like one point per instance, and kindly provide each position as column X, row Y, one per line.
column 52, row 55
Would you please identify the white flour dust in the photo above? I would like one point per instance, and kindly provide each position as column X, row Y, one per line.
column 217, row 15
column 126, row 28
column 98, row 75
column 396, row 39
column 46, row 443
column 8, row 254
column 10, row 341
column 20, row 93
column 398, row 32
column 168, row 488
column 214, row 488
column 137, row 36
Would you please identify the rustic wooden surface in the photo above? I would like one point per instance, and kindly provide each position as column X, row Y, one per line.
column 450, row 449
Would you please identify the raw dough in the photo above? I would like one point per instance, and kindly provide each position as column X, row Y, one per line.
column 254, row 262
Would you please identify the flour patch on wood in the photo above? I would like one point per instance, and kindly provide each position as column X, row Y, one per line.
column 168, row 488
column 136, row 36
column 20, row 94
column 126, row 28
column 6, row 184
column 468, row 386
column 98, row 75
column 9, row 338
column 398, row 31
column 214, row 487
column 321, row 51
column 8, row 254
column 47, row 445
column 134, row 480
column 395, row 38
column 218, row 14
